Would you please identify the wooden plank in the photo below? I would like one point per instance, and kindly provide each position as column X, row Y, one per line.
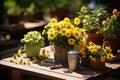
column 57, row 74
column 83, row 73
column 29, row 25
column 39, row 71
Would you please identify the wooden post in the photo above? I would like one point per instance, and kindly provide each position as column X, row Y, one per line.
column 16, row 75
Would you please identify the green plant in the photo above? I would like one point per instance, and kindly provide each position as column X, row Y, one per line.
column 31, row 9
column 91, row 19
column 58, row 4
column 33, row 38
column 64, row 32
column 14, row 10
column 97, row 51
column 111, row 26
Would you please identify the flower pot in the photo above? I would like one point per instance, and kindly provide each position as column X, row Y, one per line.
column 39, row 15
column 114, row 44
column 60, row 55
column 97, row 65
column 60, row 14
column 32, row 50
column 95, row 38
column 13, row 19
column 84, row 62
column 29, row 17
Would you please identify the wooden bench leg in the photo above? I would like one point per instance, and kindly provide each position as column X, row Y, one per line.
column 16, row 75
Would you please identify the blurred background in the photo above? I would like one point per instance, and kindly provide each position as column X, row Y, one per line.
column 47, row 8
column 17, row 17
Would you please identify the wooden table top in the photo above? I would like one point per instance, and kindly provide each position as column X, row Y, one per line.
column 61, row 73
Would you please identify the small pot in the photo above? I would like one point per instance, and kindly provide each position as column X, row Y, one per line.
column 97, row 65
column 13, row 19
column 32, row 50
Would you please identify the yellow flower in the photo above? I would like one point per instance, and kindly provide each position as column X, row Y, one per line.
column 82, row 30
column 68, row 33
column 66, row 19
column 91, row 49
column 82, row 44
column 43, row 32
column 76, row 21
column 109, row 56
column 83, row 54
column 51, row 30
column 51, row 35
column 53, row 20
column 77, row 35
column 59, row 32
column 91, row 43
column 99, row 47
column 103, row 59
column 58, row 28
column 46, row 26
column 63, row 32
column 93, row 59
column 97, row 51
column 71, row 41
column 77, row 29
column 68, row 25
column 108, row 49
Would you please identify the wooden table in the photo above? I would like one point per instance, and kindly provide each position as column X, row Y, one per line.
column 57, row 74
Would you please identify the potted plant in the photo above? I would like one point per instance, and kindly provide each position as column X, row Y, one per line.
column 111, row 30
column 98, row 55
column 32, row 13
column 13, row 14
column 33, row 41
column 58, row 8
column 91, row 21
column 63, row 35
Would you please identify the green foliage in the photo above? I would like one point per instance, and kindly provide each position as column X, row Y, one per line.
column 97, row 51
column 33, row 37
column 9, row 3
column 58, row 4
column 12, row 7
column 14, row 10
column 31, row 9
column 91, row 19
column 111, row 27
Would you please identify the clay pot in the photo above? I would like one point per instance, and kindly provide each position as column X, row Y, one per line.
column 13, row 19
column 114, row 45
column 60, row 14
column 97, row 65
column 95, row 38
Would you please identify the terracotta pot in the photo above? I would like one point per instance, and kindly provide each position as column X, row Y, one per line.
column 95, row 38
column 60, row 14
column 29, row 17
column 97, row 65
column 13, row 19
column 84, row 61
column 114, row 44
column 60, row 55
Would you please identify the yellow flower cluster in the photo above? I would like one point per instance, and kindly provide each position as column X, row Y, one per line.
column 82, row 49
column 64, row 32
column 96, row 51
